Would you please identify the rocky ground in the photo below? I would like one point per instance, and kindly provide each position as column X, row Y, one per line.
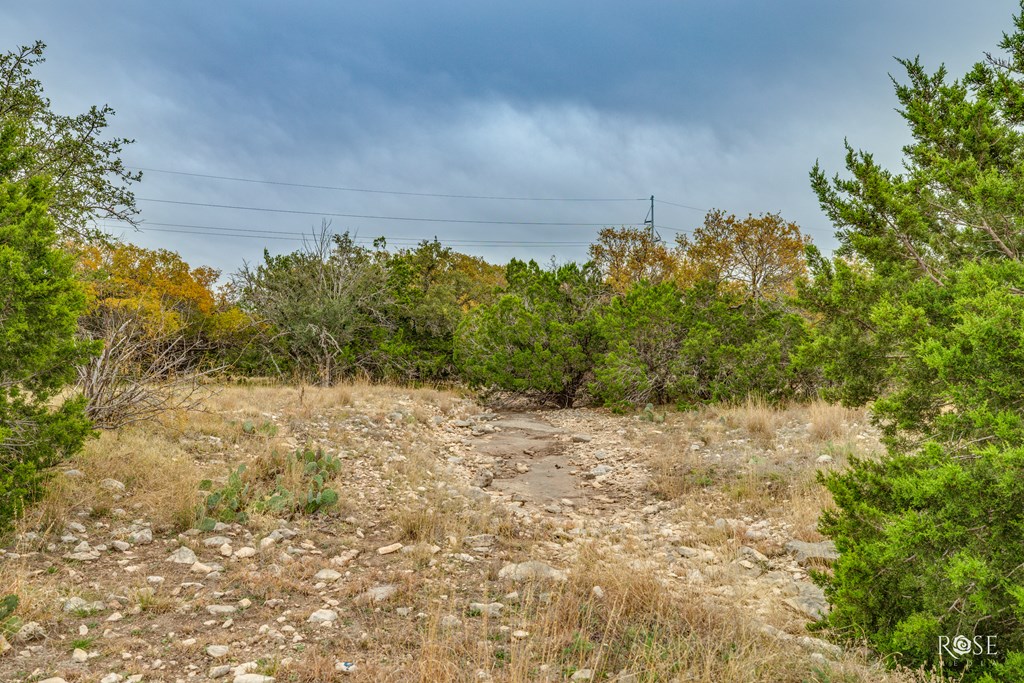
column 468, row 544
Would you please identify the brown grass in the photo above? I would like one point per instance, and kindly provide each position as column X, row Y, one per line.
column 161, row 481
column 829, row 421
column 638, row 625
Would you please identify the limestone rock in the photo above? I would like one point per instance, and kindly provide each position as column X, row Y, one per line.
column 532, row 570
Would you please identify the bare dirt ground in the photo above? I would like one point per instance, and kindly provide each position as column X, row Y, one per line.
column 467, row 545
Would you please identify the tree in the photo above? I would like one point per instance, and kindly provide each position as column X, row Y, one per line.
column 330, row 300
column 762, row 256
column 927, row 296
column 39, row 305
column 433, row 287
column 628, row 256
column 87, row 176
column 540, row 338
column 163, row 328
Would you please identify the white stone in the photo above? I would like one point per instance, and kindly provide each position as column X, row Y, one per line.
column 253, row 678
column 322, row 615
column 183, row 555
column 217, row 651
column 327, row 575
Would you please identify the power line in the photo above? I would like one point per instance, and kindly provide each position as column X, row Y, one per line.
column 393, row 192
column 306, row 234
column 224, row 231
column 544, row 245
column 383, row 218
column 681, row 206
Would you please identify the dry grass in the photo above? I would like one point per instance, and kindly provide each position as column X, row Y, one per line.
column 829, row 421
column 161, row 481
column 635, row 625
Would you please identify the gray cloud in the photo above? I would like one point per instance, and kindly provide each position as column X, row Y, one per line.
column 723, row 104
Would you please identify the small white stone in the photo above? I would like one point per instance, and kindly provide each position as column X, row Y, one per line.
column 321, row 616
column 183, row 555
column 327, row 575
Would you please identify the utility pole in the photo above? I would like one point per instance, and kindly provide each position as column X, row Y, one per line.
column 650, row 221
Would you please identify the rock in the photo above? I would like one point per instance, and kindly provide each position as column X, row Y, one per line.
column 77, row 527
column 183, row 555
column 53, row 680
column 219, row 671
column 582, row 438
column 122, row 546
column 532, row 570
column 483, row 478
column 216, row 541
column 490, row 609
column 520, row 635
column 322, row 616
column 155, row 580
column 141, row 537
column 79, row 656
column 818, row 645
column 450, row 621
column 327, row 575
column 425, row 548
column 752, row 554
column 824, row 460
column 221, row 610
column 377, row 594
column 809, row 600
column 217, row 651
column 807, row 553
column 267, row 542
column 74, row 474
column 583, row 675
column 479, row 541
column 345, row 667
column 77, row 604
column 83, row 556
column 253, row 678
column 245, row 552
column 115, row 616
column 29, row 631
column 112, row 678
column 346, row 557
column 388, row 549
column 598, row 592
column 112, row 485
column 522, row 467
column 597, row 471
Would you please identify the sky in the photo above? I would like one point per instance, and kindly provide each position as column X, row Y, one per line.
column 573, row 113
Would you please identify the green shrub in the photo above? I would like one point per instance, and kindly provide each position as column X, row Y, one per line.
column 704, row 345
column 40, row 303
column 540, row 338
column 929, row 547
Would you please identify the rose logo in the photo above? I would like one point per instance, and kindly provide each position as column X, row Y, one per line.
column 961, row 645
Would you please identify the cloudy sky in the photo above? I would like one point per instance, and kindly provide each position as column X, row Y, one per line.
column 702, row 103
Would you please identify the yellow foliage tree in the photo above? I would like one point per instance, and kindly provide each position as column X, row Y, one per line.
column 761, row 256
column 627, row 256
column 162, row 327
